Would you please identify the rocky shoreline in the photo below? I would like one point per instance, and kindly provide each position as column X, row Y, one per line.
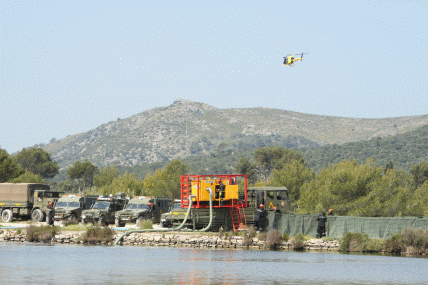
column 177, row 240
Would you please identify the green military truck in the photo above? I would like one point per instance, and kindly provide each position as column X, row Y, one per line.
column 24, row 200
column 270, row 197
column 103, row 210
column 166, row 220
column 142, row 208
column 70, row 207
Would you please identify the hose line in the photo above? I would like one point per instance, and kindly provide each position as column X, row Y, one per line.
column 173, row 229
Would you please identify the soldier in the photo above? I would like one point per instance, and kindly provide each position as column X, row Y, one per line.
column 259, row 218
column 330, row 212
column 50, row 215
column 322, row 219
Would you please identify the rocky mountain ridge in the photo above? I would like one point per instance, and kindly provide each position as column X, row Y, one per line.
column 187, row 127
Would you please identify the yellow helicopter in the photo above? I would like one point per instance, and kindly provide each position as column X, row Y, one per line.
column 290, row 60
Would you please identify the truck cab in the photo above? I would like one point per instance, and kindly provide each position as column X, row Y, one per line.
column 70, row 207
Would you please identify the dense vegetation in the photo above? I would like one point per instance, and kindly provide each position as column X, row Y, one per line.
column 317, row 180
column 403, row 150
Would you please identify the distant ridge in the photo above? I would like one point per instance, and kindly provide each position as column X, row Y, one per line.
column 187, row 128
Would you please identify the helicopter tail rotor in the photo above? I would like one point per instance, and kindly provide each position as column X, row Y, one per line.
column 301, row 55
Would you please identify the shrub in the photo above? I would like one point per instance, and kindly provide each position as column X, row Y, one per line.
column 18, row 231
column 354, row 242
column 248, row 240
column 95, row 235
column 394, row 245
column 298, row 242
column 145, row 224
column 273, row 239
column 40, row 234
column 262, row 236
column 375, row 245
column 285, row 237
column 416, row 238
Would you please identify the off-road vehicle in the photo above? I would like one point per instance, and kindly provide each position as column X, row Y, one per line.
column 142, row 208
column 102, row 211
column 70, row 207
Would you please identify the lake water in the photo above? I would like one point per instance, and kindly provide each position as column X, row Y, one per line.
column 77, row 264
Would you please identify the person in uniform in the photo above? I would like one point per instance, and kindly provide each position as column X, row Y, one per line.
column 259, row 218
column 322, row 219
column 330, row 212
column 50, row 215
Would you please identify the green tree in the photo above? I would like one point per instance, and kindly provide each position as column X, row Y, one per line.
column 84, row 172
column 293, row 175
column 106, row 176
column 244, row 166
column 9, row 169
column 38, row 161
column 126, row 183
column 419, row 173
column 417, row 205
column 275, row 157
column 165, row 182
column 28, row 177
column 339, row 186
column 388, row 196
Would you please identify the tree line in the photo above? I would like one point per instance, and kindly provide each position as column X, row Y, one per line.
column 349, row 187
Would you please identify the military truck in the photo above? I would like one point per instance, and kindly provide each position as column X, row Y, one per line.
column 142, row 208
column 70, row 207
column 103, row 210
column 24, row 200
column 270, row 197
column 166, row 219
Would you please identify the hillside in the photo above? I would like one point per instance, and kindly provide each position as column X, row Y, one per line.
column 403, row 150
column 188, row 128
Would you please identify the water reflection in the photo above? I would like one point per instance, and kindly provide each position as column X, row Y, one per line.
column 31, row 264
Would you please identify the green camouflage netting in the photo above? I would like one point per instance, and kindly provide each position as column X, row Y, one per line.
column 338, row 226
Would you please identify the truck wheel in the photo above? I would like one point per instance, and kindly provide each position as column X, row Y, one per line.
column 37, row 215
column 72, row 218
column 102, row 221
column 7, row 216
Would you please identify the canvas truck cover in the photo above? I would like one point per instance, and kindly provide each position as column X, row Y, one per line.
column 20, row 192
column 140, row 200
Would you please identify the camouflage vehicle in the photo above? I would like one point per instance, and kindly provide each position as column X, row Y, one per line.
column 142, row 208
column 166, row 219
column 70, row 207
column 24, row 200
column 102, row 211
column 270, row 197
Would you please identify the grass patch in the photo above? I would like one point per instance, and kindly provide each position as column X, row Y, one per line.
column 326, row 239
column 145, row 224
column 70, row 222
column 74, row 227
column 41, row 234
column 94, row 235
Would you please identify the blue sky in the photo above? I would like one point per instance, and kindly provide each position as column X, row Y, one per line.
column 68, row 67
